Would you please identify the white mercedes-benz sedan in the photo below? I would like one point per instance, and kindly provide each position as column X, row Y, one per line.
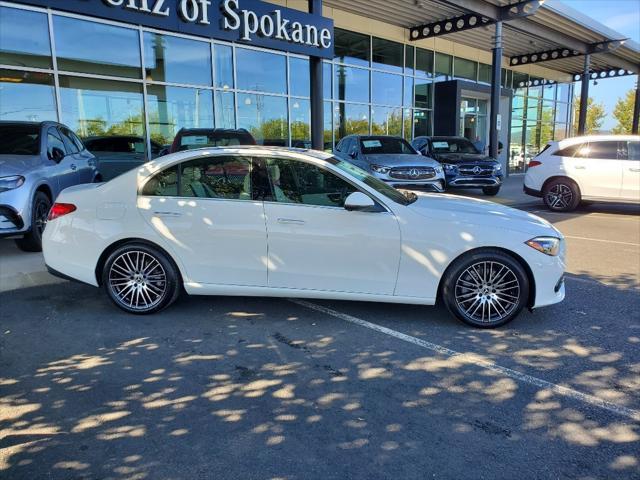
column 256, row 221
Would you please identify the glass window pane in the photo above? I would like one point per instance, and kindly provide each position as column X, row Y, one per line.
column 421, row 123
column 299, row 76
column 484, row 73
column 90, row 47
column 223, row 65
column 176, row 60
column 516, row 153
column 560, row 131
column 562, row 110
column 328, row 128
column 15, row 49
column 409, row 53
column 407, row 121
column 173, row 108
column 549, row 92
column 386, row 121
column 423, row 93
column 300, row 118
column 351, row 84
column 407, row 99
column 351, row 47
column 424, row 62
column 265, row 117
column 532, row 109
column 600, row 150
column 534, row 90
column 350, row 119
column 216, row 177
column 443, row 66
column 261, row 71
column 463, row 68
column 547, row 111
column 225, row 110
column 517, row 107
column 294, row 181
column 386, row 88
column 27, row 96
column 532, row 140
column 164, row 184
column 387, row 55
column 482, row 106
column 563, row 92
column 520, row 83
column 326, row 80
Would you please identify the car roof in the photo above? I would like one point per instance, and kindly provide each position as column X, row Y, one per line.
column 32, row 124
column 598, row 138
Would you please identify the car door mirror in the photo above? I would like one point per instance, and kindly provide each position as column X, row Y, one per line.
column 57, row 154
column 359, row 202
column 353, row 153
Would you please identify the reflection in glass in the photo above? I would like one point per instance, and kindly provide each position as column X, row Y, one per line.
column 409, row 63
column 386, row 121
column 562, row 110
column 407, row 123
column 265, row 117
column 173, row 108
column 520, row 83
column 516, row 152
column 387, row 55
column 484, row 73
column 327, row 74
column 176, row 60
column 531, row 140
column 424, row 62
column 443, row 66
column 299, row 76
column 351, row 84
column 259, row 71
column 300, row 118
column 27, row 96
column 90, row 47
column 386, row 88
column 350, row 119
column 560, row 131
column 563, row 92
column 225, row 110
column 421, row 123
column 328, row 129
column 351, row 47
column 407, row 97
column 223, row 65
column 532, row 108
column 547, row 111
column 549, row 92
column 14, row 50
column 466, row 69
column 422, row 96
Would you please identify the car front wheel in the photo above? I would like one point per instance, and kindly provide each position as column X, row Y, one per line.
column 486, row 289
column 32, row 241
column 140, row 279
column 561, row 195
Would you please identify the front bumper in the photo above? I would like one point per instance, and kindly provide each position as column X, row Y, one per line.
column 430, row 186
column 473, row 182
column 11, row 222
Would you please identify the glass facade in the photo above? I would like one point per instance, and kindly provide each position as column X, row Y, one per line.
column 105, row 79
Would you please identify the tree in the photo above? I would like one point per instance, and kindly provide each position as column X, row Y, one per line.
column 623, row 113
column 595, row 116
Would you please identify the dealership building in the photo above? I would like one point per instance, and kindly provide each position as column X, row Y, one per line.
column 302, row 73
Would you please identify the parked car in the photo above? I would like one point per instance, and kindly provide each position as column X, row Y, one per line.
column 464, row 165
column 392, row 160
column 190, row 138
column 119, row 153
column 602, row 168
column 259, row 221
column 37, row 161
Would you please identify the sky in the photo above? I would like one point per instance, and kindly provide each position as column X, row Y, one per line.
column 623, row 16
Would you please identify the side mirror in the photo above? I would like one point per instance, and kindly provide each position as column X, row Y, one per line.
column 359, row 202
column 353, row 153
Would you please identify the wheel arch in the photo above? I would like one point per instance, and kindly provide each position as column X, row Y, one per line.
column 561, row 177
column 122, row 242
column 46, row 189
column 511, row 253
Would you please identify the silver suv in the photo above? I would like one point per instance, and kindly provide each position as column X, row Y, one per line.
column 37, row 161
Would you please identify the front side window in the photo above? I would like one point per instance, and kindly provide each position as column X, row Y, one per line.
column 385, row 145
column 216, row 177
column 68, row 140
column 634, row 151
column 294, row 181
column 600, row 150
column 55, row 147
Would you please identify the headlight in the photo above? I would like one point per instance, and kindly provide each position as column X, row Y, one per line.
column 450, row 168
column 497, row 168
column 547, row 245
column 438, row 169
column 380, row 169
column 9, row 183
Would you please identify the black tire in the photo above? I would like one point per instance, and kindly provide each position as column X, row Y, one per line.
column 490, row 191
column 500, row 286
column 141, row 279
column 561, row 195
column 32, row 241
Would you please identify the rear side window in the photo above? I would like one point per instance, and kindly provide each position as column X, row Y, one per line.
column 609, row 150
column 163, row 184
column 216, row 177
column 569, row 151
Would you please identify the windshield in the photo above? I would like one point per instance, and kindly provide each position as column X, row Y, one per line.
column 385, row 145
column 453, row 145
column 190, row 141
column 378, row 185
column 19, row 139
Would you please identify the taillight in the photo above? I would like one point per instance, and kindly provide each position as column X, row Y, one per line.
column 534, row 163
column 60, row 209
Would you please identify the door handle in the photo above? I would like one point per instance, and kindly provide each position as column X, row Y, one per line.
column 291, row 221
column 73, row 166
column 167, row 214
column 580, row 167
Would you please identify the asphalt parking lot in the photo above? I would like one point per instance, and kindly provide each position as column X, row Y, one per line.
column 251, row 388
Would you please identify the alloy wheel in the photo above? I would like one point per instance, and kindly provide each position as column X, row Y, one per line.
column 41, row 212
column 137, row 280
column 559, row 196
column 487, row 291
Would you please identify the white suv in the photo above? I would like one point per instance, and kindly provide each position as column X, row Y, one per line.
column 601, row 168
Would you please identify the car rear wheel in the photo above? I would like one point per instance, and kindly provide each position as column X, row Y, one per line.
column 140, row 279
column 486, row 289
column 561, row 195
column 490, row 191
column 32, row 241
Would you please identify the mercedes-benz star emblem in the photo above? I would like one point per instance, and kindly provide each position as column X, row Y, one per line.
column 413, row 172
column 477, row 170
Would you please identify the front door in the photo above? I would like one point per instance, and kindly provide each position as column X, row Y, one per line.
column 63, row 168
column 631, row 172
column 203, row 211
column 598, row 169
column 315, row 244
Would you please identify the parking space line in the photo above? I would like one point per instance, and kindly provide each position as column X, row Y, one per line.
column 592, row 400
column 602, row 240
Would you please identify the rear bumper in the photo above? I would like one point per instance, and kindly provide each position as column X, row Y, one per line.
column 531, row 191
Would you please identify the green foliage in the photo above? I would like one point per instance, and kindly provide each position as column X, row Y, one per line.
column 595, row 116
column 623, row 113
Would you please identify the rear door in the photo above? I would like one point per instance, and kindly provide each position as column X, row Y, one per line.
column 597, row 168
column 631, row 172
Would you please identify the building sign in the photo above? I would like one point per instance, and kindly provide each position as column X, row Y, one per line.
column 251, row 22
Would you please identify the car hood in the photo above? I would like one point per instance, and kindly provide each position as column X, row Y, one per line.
column 18, row 164
column 480, row 212
column 401, row 160
column 462, row 158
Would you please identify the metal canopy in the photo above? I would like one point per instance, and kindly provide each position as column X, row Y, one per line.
column 554, row 26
